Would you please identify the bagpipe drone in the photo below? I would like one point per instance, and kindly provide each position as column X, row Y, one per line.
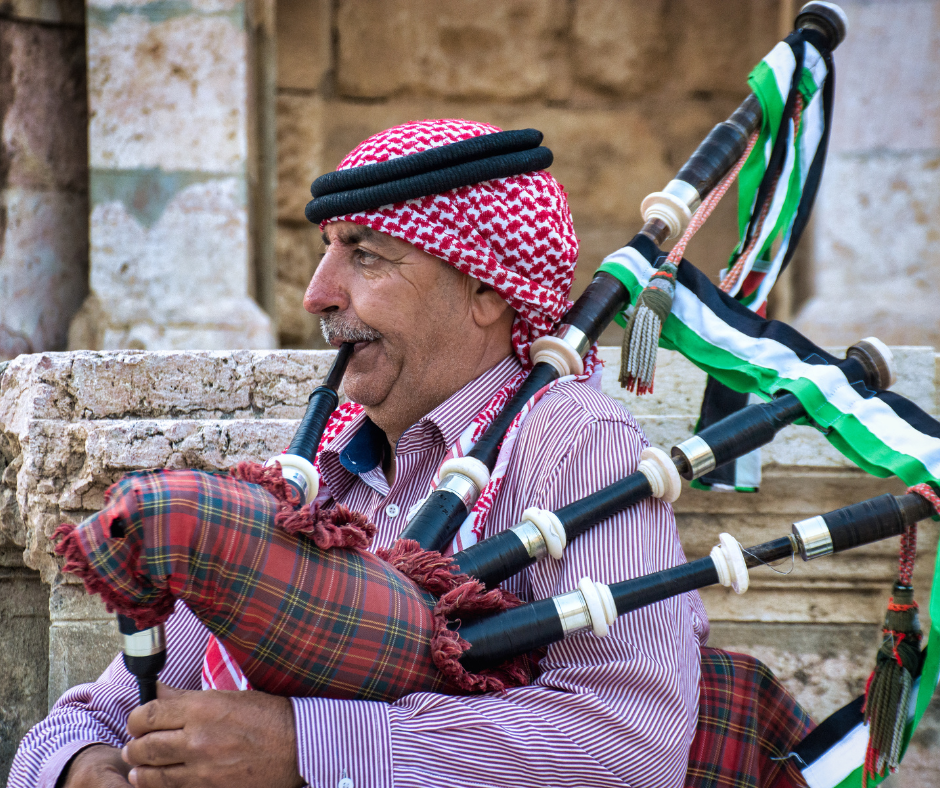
column 304, row 609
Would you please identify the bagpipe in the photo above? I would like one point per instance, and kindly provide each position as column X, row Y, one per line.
column 304, row 609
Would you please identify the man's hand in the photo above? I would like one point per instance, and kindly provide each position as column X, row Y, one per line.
column 98, row 766
column 187, row 739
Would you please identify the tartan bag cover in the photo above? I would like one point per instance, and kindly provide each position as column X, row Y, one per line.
column 748, row 725
column 299, row 620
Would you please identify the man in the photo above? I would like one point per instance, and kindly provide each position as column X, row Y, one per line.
column 443, row 296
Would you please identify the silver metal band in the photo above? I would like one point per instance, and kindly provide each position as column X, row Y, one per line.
column 296, row 477
column 145, row 644
column 575, row 337
column 698, row 454
column 572, row 612
column 462, row 487
column 814, row 538
column 531, row 537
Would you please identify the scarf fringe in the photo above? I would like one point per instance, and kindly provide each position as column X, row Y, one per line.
column 458, row 595
column 328, row 528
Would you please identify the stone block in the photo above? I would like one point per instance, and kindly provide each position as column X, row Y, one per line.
column 63, row 12
column 473, row 50
column 304, row 43
column 714, row 50
column 24, row 653
column 168, row 94
column 862, row 286
column 43, row 268
column 889, row 66
column 45, row 108
column 619, row 48
column 301, row 146
column 79, row 652
column 155, row 274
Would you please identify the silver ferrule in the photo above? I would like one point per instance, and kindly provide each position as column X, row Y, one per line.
column 814, row 538
column 462, row 487
column 146, row 643
column 698, row 454
column 531, row 537
column 572, row 612
column 296, row 477
column 575, row 337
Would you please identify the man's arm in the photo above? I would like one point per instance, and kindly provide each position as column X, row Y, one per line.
column 97, row 713
column 616, row 711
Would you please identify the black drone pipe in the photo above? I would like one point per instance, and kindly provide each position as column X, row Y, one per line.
column 503, row 555
column 595, row 606
column 435, row 524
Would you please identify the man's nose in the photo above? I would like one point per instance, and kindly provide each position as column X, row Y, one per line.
column 326, row 292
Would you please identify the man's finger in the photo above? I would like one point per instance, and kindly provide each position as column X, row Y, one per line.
column 158, row 748
column 167, row 712
column 159, row 777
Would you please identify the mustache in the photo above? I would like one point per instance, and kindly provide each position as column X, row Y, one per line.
column 346, row 328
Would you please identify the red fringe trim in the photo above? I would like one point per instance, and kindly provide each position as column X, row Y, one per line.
column 328, row 528
column 76, row 563
column 458, row 594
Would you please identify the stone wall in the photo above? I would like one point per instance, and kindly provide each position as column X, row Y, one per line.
column 623, row 91
column 43, row 173
column 72, row 423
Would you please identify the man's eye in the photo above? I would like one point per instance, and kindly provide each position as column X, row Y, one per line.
column 367, row 258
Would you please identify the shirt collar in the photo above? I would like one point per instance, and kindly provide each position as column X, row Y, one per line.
column 359, row 448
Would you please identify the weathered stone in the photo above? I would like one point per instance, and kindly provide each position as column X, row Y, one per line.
column 168, row 94
column 43, row 268
column 888, row 102
column 301, row 147
column 79, row 651
column 304, row 43
column 619, row 47
column 65, row 12
column 473, row 50
column 45, row 107
column 161, row 282
column 714, row 50
column 24, row 653
column 868, row 280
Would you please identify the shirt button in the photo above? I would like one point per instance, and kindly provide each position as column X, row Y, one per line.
column 392, row 510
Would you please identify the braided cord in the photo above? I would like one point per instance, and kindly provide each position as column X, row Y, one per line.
column 731, row 278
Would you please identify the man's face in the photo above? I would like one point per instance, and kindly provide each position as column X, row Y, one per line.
column 408, row 310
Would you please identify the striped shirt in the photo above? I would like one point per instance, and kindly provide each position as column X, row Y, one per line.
column 617, row 711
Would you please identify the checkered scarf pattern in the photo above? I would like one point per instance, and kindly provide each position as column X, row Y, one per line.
column 299, row 621
column 514, row 234
column 747, row 726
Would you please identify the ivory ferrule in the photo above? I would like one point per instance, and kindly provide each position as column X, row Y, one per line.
column 728, row 557
column 814, row 538
column 673, row 206
column 531, row 538
column 145, row 643
column 698, row 454
column 468, row 467
column 462, row 487
column 551, row 529
column 559, row 353
column 660, row 471
column 300, row 472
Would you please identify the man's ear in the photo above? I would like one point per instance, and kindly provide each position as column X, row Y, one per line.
column 487, row 306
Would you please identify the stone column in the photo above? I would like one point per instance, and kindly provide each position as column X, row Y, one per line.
column 877, row 255
column 169, row 96
column 43, row 173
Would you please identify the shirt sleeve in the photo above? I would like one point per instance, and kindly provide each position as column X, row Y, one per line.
column 617, row 711
column 97, row 713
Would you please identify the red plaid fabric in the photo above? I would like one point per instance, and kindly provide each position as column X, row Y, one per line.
column 747, row 726
column 300, row 621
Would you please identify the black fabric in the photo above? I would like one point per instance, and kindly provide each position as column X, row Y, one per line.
column 435, row 182
column 718, row 402
column 461, row 152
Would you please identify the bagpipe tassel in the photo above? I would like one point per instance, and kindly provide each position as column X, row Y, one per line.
column 641, row 337
column 888, row 693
